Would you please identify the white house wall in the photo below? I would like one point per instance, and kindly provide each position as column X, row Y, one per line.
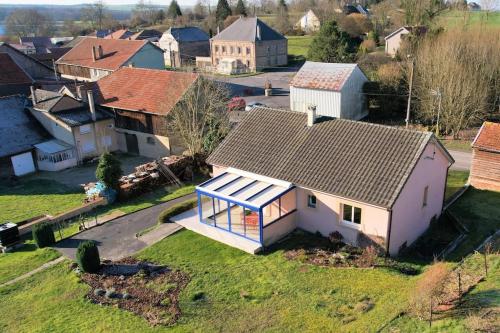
column 328, row 103
column 56, row 128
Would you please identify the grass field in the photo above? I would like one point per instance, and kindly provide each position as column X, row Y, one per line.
column 240, row 293
column 33, row 197
column 456, row 180
column 24, row 260
column 298, row 47
column 454, row 18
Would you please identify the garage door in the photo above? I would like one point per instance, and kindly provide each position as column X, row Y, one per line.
column 23, row 164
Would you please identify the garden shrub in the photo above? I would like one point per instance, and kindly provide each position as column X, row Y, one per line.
column 43, row 235
column 87, row 257
column 368, row 257
column 176, row 210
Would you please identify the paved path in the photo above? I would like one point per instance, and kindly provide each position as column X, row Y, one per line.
column 116, row 239
column 36, row 270
column 462, row 160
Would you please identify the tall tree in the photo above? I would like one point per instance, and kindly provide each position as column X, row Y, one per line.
column 223, row 11
column 174, row 10
column 109, row 170
column 240, row 8
column 200, row 120
column 282, row 19
column 332, row 45
column 95, row 14
column 26, row 22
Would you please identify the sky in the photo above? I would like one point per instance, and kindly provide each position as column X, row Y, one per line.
column 75, row 2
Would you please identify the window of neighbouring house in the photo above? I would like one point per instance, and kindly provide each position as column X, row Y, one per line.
column 150, row 140
column 217, row 49
column 426, row 193
column 248, row 63
column 351, row 214
column 248, row 50
column 223, row 49
column 231, row 50
column 239, row 50
column 84, row 129
column 311, row 201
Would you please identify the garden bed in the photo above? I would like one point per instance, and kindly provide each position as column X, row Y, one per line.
column 148, row 290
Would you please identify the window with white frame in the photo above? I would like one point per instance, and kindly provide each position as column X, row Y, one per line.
column 426, row 193
column 351, row 215
column 311, row 201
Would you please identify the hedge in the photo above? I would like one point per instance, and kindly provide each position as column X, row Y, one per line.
column 87, row 257
column 176, row 210
column 43, row 235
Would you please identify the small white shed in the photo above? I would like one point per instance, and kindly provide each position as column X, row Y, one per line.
column 335, row 89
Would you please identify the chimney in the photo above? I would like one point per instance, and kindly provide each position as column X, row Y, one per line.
column 94, row 56
column 218, row 30
column 311, row 115
column 81, row 93
column 90, row 97
column 258, row 31
column 33, row 95
column 100, row 52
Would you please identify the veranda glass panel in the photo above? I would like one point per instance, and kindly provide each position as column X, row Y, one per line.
column 207, row 209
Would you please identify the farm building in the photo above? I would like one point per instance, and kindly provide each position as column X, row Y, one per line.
column 485, row 167
column 336, row 90
column 141, row 100
column 94, row 58
column 393, row 40
column 375, row 185
column 183, row 45
column 308, row 23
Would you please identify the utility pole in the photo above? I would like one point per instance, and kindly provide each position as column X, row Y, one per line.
column 407, row 120
column 438, row 94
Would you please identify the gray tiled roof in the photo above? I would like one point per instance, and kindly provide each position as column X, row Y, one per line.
column 19, row 131
column 356, row 160
column 47, row 99
column 188, row 34
column 245, row 29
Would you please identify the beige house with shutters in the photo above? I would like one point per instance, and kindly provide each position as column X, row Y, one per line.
column 248, row 45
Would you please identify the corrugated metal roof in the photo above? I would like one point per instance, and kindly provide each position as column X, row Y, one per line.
column 356, row 160
column 245, row 29
column 324, row 76
column 53, row 146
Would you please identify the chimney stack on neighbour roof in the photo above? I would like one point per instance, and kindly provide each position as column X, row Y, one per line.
column 33, row 95
column 90, row 97
column 94, row 56
column 311, row 115
column 258, row 31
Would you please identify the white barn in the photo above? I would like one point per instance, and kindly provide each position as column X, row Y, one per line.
column 336, row 90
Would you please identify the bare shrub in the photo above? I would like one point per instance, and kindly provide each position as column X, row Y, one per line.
column 368, row 45
column 476, row 323
column 464, row 66
column 390, row 74
column 429, row 291
column 368, row 257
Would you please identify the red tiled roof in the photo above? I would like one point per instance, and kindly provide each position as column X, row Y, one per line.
column 115, row 53
column 119, row 34
column 324, row 76
column 146, row 90
column 10, row 72
column 488, row 137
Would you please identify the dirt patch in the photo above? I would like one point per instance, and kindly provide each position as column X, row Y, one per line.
column 146, row 289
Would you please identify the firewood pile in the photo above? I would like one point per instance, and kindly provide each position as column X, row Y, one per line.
column 167, row 170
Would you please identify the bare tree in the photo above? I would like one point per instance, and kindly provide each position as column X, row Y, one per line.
column 27, row 22
column 95, row 14
column 489, row 6
column 201, row 121
column 464, row 67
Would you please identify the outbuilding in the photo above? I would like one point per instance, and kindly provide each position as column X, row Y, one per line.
column 485, row 167
column 336, row 90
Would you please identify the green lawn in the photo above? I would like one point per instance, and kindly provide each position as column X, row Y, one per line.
column 299, row 45
column 229, row 291
column 33, row 197
column 455, row 18
column 24, row 260
column 460, row 145
column 456, row 180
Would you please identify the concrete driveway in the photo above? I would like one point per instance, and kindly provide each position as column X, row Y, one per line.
column 462, row 160
column 116, row 239
column 251, row 88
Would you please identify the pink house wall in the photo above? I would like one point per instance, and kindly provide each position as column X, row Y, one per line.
column 327, row 216
column 409, row 217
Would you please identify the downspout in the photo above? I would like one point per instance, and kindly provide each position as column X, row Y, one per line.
column 444, row 192
column 388, row 238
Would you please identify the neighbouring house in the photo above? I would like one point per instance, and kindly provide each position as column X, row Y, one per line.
column 100, row 33
column 336, row 90
column 308, row 23
column 41, row 44
column 94, row 58
column 375, row 185
column 151, row 35
column 141, row 100
column 13, row 79
column 183, row 45
column 485, row 166
column 30, row 65
column 19, row 134
column 83, row 129
column 473, row 6
column 248, row 45
column 41, row 48
column 394, row 39
column 120, row 34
